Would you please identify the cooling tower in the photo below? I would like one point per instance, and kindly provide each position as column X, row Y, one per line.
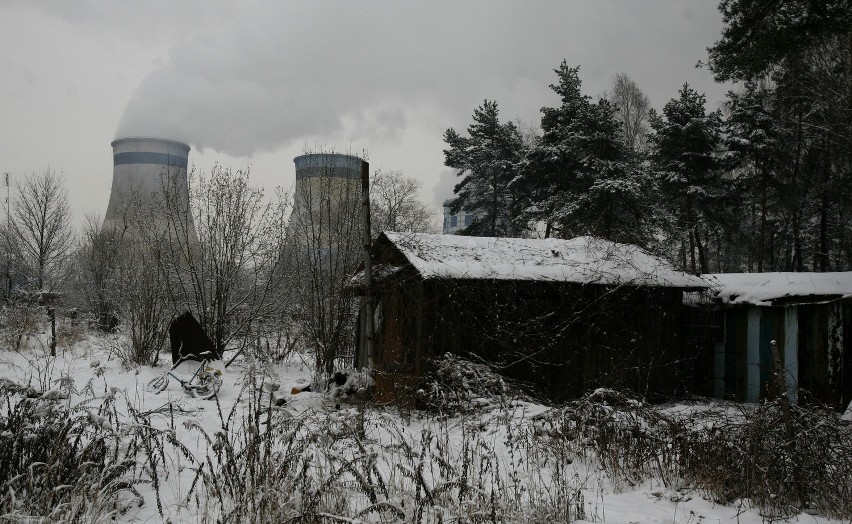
column 327, row 200
column 144, row 169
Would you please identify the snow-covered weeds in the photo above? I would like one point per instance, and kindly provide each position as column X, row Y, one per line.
column 74, row 463
column 362, row 464
column 456, row 385
column 728, row 452
column 476, row 454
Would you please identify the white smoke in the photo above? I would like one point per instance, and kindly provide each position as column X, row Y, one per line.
column 286, row 71
column 276, row 73
column 253, row 82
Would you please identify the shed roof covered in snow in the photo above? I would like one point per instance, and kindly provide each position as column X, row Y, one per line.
column 787, row 288
column 584, row 260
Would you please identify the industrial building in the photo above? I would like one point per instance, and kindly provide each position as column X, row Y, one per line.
column 327, row 200
column 145, row 169
column 454, row 222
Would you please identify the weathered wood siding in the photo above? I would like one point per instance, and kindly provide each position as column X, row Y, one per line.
column 559, row 340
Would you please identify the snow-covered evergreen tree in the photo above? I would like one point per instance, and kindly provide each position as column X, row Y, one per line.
column 577, row 179
column 802, row 49
column 685, row 149
column 752, row 139
column 487, row 161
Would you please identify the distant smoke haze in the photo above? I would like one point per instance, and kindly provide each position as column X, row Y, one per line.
column 284, row 72
column 280, row 73
column 256, row 82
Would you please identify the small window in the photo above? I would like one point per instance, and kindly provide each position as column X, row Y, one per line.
column 454, row 221
column 468, row 219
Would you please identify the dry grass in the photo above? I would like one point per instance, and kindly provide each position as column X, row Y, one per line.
column 474, row 456
column 734, row 452
column 358, row 464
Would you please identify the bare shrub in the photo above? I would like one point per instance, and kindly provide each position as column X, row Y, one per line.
column 96, row 267
column 69, row 333
column 727, row 453
column 783, row 469
column 19, row 321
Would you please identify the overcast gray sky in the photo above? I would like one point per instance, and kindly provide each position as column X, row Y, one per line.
column 254, row 83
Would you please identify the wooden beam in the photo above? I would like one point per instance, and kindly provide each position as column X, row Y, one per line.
column 791, row 352
column 753, row 355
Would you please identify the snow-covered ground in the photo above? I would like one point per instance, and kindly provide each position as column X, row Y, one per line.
column 344, row 460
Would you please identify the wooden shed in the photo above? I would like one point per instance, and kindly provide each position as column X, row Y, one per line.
column 808, row 315
column 558, row 316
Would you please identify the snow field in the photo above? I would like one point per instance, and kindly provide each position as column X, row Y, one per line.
column 240, row 458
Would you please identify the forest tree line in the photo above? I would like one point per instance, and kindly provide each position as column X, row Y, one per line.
column 762, row 184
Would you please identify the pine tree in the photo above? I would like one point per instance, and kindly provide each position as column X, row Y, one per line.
column 803, row 48
column 763, row 35
column 577, row 179
column 685, row 142
column 752, row 139
column 487, row 161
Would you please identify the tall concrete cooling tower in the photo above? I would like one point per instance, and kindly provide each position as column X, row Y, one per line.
column 327, row 199
column 143, row 169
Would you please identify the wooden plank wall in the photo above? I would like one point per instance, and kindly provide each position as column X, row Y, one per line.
column 559, row 340
column 816, row 352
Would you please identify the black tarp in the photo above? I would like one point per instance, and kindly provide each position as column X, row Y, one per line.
column 189, row 340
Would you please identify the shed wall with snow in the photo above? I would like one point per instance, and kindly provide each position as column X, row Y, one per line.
column 808, row 315
column 560, row 317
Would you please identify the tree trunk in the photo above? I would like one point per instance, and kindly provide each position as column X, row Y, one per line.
column 762, row 238
column 702, row 257
column 798, row 262
column 822, row 257
column 692, row 252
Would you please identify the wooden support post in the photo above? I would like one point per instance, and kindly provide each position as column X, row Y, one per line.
column 52, row 314
column 367, row 346
column 786, row 416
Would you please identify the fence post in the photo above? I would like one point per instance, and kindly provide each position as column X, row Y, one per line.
column 52, row 314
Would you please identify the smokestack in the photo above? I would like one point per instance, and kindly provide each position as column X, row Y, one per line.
column 143, row 167
column 327, row 197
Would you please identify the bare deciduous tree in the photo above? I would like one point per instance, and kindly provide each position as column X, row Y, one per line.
column 95, row 264
column 323, row 248
column 141, row 289
column 225, row 268
column 530, row 132
column 394, row 205
column 631, row 110
column 122, row 279
column 42, row 235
